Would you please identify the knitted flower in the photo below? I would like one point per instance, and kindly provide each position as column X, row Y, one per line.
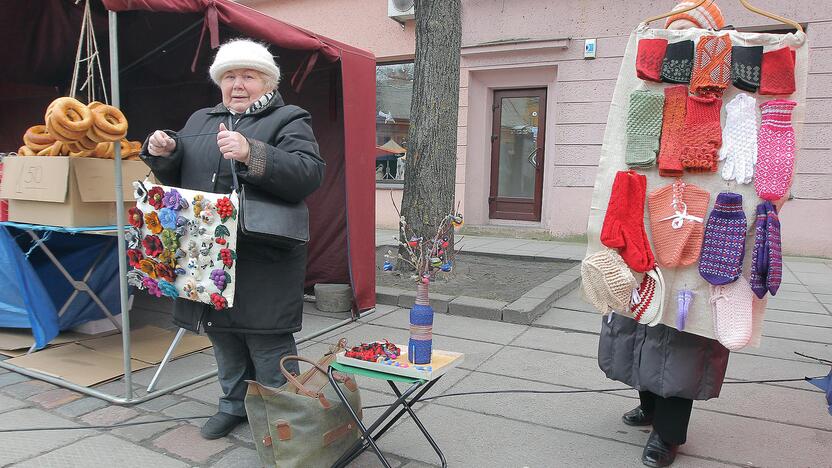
column 167, row 217
column 134, row 256
column 152, row 221
column 135, row 217
column 154, row 197
column 148, row 266
column 134, row 278
column 174, row 200
column 218, row 301
column 139, row 191
column 170, row 240
column 165, row 272
column 151, row 286
column 168, row 257
column 198, row 199
column 152, row 246
column 168, row 289
column 132, row 237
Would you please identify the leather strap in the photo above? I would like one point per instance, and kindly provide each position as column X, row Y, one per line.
column 338, row 432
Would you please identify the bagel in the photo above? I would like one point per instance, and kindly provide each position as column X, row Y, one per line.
column 71, row 114
column 86, row 143
column 104, row 150
column 55, row 150
column 38, row 138
column 61, row 133
column 80, row 154
column 26, row 151
column 108, row 120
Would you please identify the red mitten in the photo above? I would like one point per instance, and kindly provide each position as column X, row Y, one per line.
column 702, row 135
column 623, row 227
column 778, row 72
column 649, row 59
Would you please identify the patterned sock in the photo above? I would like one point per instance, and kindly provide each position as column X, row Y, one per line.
column 649, row 59
column 712, row 67
column 759, row 266
column 775, row 255
column 745, row 67
column 644, row 125
column 723, row 248
column 739, row 139
column 623, row 227
column 678, row 62
column 778, row 72
column 702, row 135
column 673, row 122
column 775, row 150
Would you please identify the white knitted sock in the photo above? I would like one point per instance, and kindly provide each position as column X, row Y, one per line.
column 739, row 148
column 732, row 313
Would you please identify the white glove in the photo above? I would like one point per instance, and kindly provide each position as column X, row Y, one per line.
column 739, row 139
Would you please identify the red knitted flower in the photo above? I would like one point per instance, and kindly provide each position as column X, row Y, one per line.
column 165, row 272
column 154, row 197
column 135, row 217
column 134, row 256
column 218, row 301
column 152, row 246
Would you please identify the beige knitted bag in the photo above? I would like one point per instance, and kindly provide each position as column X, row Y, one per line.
column 607, row 281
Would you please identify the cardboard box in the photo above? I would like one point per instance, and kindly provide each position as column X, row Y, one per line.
column 64, row 191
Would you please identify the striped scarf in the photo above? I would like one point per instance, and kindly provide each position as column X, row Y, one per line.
column 258, row 104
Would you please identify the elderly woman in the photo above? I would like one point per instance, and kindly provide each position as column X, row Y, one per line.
column 273, row 148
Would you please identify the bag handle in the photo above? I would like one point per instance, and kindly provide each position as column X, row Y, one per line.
column 235, row 183
column 293, row 380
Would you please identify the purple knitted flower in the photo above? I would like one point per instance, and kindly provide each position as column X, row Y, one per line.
column 151, row 286
column 173, row 200
column 168, row 218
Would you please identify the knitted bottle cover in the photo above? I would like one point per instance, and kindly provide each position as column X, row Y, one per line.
column 678, row 62
column 775, row 150
column 745, row 67
column 712, row 66
column 421, row 328
column 623, row 227
column 702, row 134
column 739, row 139
column 644, row 124
column 723, row 247
column 677, row 216
column 673, row 123
column 649, row 59
column 732, row 313
column 778, row 72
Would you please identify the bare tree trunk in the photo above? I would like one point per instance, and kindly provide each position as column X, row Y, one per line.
column 430, row 171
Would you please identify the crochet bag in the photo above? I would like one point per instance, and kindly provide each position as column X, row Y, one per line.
column 303, row 423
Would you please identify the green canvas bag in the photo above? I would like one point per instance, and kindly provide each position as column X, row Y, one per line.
column 303, row 423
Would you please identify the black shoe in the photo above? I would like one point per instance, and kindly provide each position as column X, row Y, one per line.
column 658, row 453
column 637, row 417
column 220, row 425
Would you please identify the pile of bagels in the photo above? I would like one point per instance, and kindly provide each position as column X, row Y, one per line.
column 75, row 129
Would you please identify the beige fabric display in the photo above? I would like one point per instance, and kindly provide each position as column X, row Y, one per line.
column 607, row 281
column 699, row 320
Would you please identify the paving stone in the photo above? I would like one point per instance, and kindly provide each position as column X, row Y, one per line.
column 103, row 451
column 813, row 307
column 144, row 431
column 240, row 457
column 787, row 316
column 368, row 459
column 190, row 409
column 798, row 332
column 570, row 320
column 177, row 370
column 109, row 415
column 9, row 403
column 12, row 378
column 387, row 295
column 18, row 446
column 54, row 398
column 808, row 267
column 475, row 307
column 79, row 407
column 243, row 434
column 825, row 298
column 28, row 388
column 186, row 442
column 574, row 301
column 560, row 369
column 439, row 302
column 209, row 393
column 559, row 341
column 158, row 403
column 524, row 310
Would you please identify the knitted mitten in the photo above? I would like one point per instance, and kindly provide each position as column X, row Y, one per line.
column 732, row 313
column 712, row 67
column 677, row 216
column 723, row 248
column 623, row 227
column 673, row 122
column 778, row 72
column 702, row 134
column 745, row 67
column 649, row 59
column 775, row 150
column 775, row 255
column 678, row 62
column 644, row 125
column 739, row 139
column 759, row 264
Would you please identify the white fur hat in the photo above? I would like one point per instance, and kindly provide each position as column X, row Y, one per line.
column 243, row 53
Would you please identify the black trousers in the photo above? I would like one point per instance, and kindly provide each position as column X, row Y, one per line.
column 670, row 416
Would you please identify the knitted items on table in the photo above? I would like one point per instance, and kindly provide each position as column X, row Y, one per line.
column 775, row 150
column 712, row 66
column 732, row 313
column 702, row 134
column 739, row 139
column 745, row 67
column 723, row 247
column 649, row 59
column 623, row 227
column 677, row 216
column 673, row 123
column 606, row 281
column 778, row 72
column 678, row 62
column 644, row 125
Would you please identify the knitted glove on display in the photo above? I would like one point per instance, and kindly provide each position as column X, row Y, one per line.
column 775, row 150
column 759, row 262
column 702, row 135
column 723, row 248
column 644, row 125
column 775, row 254
column 673, row 122
column 732, row 313
column 778, row 72
column 623, row 227
column 739, row 139
column 649, row 59
column 746, row 63
column 712, row 67
column 677, row 216
column 678, row 62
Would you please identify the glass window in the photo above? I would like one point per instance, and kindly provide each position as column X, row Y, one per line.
column 394, row 91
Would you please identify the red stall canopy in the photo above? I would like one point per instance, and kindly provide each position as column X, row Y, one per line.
column 165, row 49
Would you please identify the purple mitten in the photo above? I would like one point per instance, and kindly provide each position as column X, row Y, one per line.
column 774, row 254
column 723, row 247
column 759, row 263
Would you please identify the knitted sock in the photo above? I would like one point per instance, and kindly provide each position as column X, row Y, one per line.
column 745, row 67
column 678, row 62
column 702, row 134
column 644, row 125
column 778, row 72
column 677, row 216
column 712, row 67
column 775, row 150
column 723, row 248
column 775, row 255
column 623, row 227
column 759, row 266
column 732, row 314
column 739, row 139
column 673, row 121
column 649, row 59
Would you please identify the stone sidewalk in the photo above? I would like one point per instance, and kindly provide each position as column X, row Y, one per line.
column 776, row 425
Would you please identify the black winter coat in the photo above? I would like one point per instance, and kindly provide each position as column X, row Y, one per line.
column 284, row 161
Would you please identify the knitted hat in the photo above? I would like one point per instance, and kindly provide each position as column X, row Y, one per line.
column 732, row 313
column 648, row 308
column 677, row 217
column 606, row 281
column 705, row 16
column 723, row 247
column 243, row 53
